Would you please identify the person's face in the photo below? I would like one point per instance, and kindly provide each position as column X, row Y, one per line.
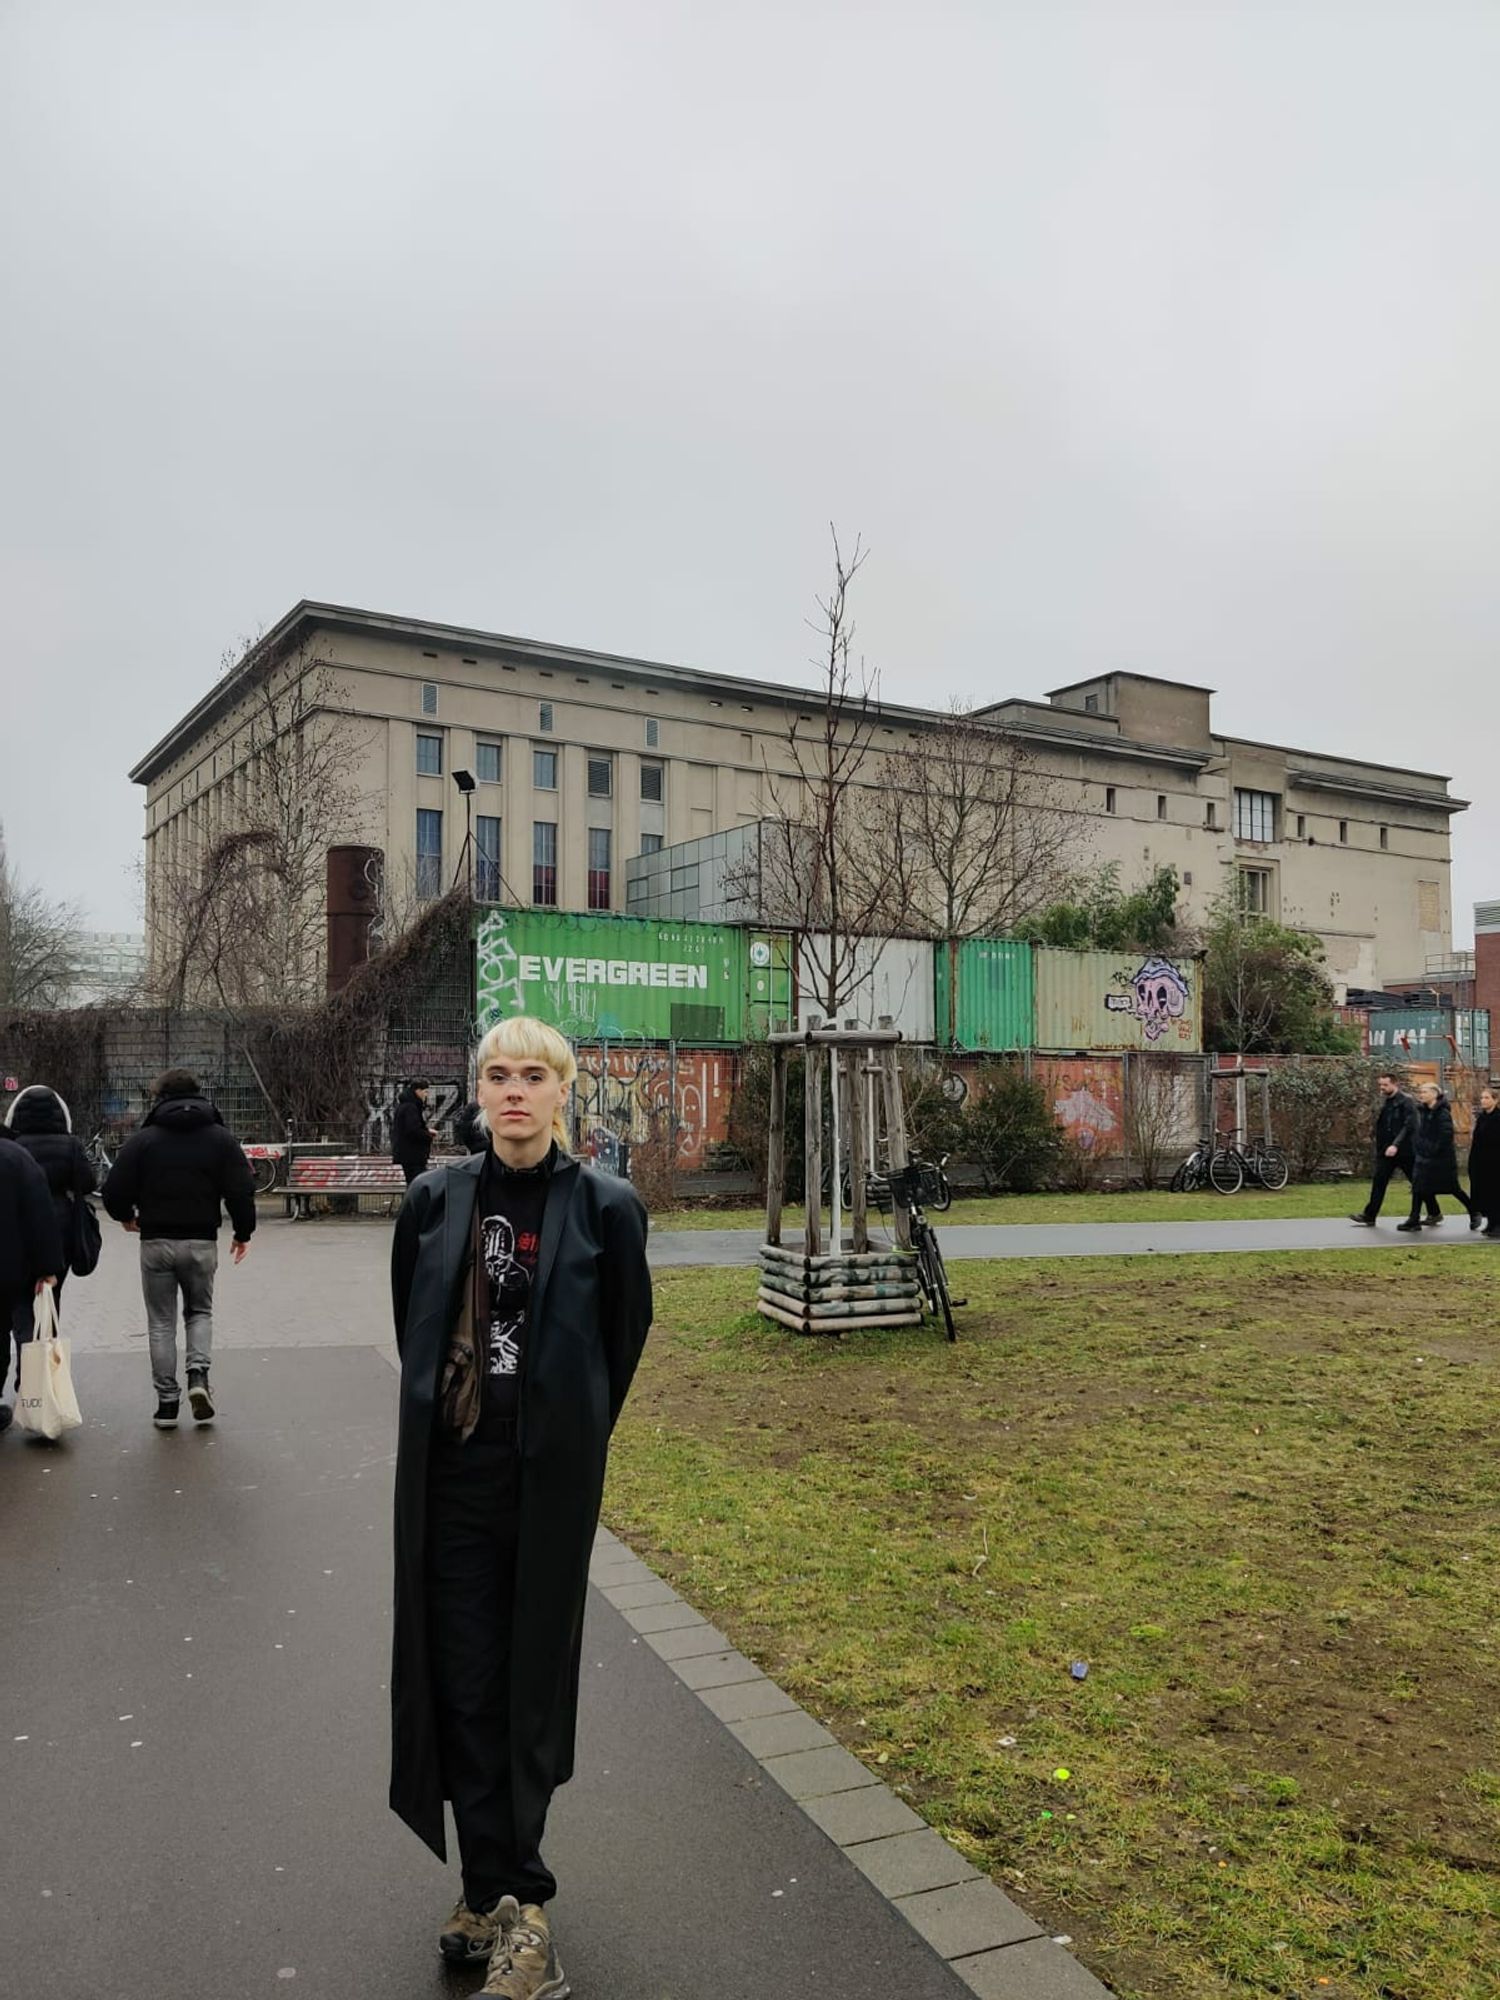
column 1388, row 1086
column 1486, row 1100
column 1429, row 1094
column 419, row 1091
column 520, row 1096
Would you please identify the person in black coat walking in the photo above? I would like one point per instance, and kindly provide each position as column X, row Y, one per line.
column 468, row 1128
column 1484, row 1161
column 168, row 1187
column 39, row 1120
column 1395, row 1147
column 31, row 1245
column 522, row 1301
column 1435, row 1167
column 411, row 1135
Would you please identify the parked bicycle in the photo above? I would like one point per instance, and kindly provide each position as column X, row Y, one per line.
column 1210, row 1165
column 937, row 1192
column 268, row 1166
column 1263, row 1165
column 907, row 1187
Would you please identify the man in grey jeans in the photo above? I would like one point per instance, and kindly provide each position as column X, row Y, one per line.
column 167, row 1185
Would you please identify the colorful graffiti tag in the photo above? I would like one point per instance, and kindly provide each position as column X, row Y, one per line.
column 627, row 1095
column 1156, row 994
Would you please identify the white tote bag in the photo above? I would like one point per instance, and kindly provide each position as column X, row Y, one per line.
column 46, row 1405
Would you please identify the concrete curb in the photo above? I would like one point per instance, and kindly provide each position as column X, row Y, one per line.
column 998, row 1951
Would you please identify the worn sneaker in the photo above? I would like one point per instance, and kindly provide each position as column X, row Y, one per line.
column 470, row 1936
column 166, row 1413
column 523, row 1965
column 1364, row 1221
column 198, row 1396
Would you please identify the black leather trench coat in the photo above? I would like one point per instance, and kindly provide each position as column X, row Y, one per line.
column 590, row 1311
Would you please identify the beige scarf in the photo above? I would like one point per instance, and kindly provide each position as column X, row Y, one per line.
column 463, row 1384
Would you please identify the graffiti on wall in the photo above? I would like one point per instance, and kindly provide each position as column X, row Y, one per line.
column 628, row 1095
column 444, row 1098
column 1156, row 994
column 1086, row 1100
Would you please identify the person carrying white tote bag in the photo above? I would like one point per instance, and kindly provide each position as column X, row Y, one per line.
column 46, row 1405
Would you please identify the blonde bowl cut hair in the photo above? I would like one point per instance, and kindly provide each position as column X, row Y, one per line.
column 525, row 1039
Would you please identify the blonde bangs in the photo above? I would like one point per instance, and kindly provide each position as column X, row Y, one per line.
column 524, row 1039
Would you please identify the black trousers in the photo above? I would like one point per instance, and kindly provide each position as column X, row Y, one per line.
column 472, row 1515
column 1452, row 1188
column 19, row 1320
column 1385, row 1171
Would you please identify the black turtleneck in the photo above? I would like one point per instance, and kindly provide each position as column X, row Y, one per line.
column 511, row 1200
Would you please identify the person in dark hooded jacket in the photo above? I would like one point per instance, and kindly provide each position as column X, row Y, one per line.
column 411, row 1135
column 1484, row 1161
column 31, row 1248
column 40, row 1121
column 168, row 1186
column 1435, row 1166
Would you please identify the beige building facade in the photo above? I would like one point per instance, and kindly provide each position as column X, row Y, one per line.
column 582, row 760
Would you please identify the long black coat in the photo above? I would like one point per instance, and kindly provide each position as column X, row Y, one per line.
column 31, row 1244
column 1435, row 1168
column 411, row 1141
column 590, row 1311
column 39, row 1120
column 1484, row 1164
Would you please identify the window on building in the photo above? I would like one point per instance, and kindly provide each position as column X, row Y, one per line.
column 544, row 770
column 1385, row 837
column 1109, row 798
column 1091, row 704
column 1344, row 831
column 1255, row 891
column 651, row 843
column 1161, row 805
column 429, row 853
column 429, row 698
column 429, row 756
column 1211, row 816
column 599, row 845
column 544, row 863
column 1254, row 815
column 544, row 717
column 651, row 776
column 487, row 762
column 1302, row 826
column 601, row 777
column 653, row 732
column 486, row 858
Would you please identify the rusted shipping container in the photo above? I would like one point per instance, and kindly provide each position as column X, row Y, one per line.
column 1101, row 1000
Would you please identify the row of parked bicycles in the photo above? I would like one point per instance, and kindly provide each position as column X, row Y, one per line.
column 1228, row 1166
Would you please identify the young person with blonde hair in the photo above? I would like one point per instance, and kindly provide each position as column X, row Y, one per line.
column 522, row 1302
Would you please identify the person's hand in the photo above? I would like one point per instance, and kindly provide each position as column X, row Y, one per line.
column 240, row 1251
column 43, row 1283
column 1390, row 1152
column 131, row 1228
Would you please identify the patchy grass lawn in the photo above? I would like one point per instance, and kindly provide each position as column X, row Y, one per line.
column 1130, row 1205
column 1256, row 1494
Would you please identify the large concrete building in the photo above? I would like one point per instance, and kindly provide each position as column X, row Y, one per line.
column 581, row 761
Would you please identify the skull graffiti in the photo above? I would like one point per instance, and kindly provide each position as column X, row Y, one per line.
column 1157, row 995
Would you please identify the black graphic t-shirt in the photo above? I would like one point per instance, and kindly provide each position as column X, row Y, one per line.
column 511, row 1200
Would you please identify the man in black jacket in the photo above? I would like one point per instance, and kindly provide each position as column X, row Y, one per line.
column 31, row 1246
column 167, row 1186
column 1395, row 1146
column 411, row 1135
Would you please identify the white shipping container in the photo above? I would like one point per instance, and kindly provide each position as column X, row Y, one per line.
column 885, row 976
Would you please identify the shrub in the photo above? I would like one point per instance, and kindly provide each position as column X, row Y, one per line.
column 1324, row 1111
column 1009, row 1132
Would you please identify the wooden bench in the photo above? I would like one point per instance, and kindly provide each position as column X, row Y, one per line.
column 343, row 1173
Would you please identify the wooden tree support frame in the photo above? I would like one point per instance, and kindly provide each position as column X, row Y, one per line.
column 826, row 1287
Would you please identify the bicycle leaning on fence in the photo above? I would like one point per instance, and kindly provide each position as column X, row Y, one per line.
column 909, row 1188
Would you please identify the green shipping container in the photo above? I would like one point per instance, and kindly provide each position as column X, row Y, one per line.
column 597, row 977
column 1108, row 1000
column 770, row 989
column 983, row 994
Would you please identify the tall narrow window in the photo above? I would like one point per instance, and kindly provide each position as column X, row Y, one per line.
column 486, row 858
column 1344, row 831
column 544, row 770
column 429, row 853
column 544, row 863
column 1161, row 805
column 1109, row 798
column 487, row 762
column 1211, row 818
column 1385, row 838
column 429, row 756
column 601, row 777
column 599, row 845
column 653, row 732
column 1302, row 826
column 429, row 698
column 544, row 717
column 651, row 787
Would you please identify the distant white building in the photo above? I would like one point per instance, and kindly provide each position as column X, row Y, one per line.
column 111, row 965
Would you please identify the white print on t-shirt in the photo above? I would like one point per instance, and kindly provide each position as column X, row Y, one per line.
column 510, row 1291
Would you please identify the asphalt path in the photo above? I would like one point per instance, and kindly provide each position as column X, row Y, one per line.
column 193, row 1748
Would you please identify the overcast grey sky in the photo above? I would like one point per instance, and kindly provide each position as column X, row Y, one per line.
column 1160, row 336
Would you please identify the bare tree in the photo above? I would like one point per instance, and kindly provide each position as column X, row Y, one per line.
column 979, row 833
column 239, row 911
column 39, row 958
column 816, row 869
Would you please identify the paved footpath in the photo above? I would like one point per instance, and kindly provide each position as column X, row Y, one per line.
column 193, row 1719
